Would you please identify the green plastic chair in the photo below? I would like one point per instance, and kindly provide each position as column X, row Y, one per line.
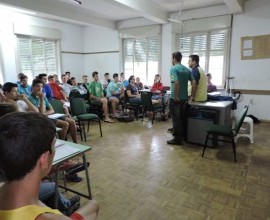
column 149, row 106
column 57, row 106
column 78, row 110
column 226, row 131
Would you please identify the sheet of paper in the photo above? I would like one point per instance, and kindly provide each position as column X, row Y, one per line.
column 247, row 53
column 63, row 151
column 247, row 44
column 56, row 116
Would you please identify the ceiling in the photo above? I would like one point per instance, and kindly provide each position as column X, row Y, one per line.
column 108, row 13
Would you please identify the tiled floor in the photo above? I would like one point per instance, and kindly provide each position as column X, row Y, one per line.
column 136, row 175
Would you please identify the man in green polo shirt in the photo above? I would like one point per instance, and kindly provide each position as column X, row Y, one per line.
column 97, row 96
column 180, row 75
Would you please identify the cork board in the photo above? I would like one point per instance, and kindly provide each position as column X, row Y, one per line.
column 255, row 47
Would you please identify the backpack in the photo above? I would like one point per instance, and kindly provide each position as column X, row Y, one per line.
column 125, row 117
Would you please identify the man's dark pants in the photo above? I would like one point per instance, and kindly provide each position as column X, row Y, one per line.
column 179, row 119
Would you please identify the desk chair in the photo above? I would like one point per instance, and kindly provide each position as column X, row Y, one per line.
column 149, row 106
column 78, row 110
column 225, row 131
column 137, row 108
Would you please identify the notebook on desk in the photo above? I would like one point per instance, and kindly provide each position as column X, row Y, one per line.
column 63, row 150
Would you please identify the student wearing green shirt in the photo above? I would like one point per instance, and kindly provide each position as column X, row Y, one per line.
column 97, row 95
column 180, row 75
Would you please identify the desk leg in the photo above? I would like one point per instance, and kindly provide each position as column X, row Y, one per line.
column 56, row 188
column 87, row 177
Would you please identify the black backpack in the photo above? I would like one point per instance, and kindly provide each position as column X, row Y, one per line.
column 125, row 117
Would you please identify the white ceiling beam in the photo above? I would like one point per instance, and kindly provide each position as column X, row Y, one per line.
column 61, row 10
column 203, row 12
column 145, row 9
column 235, row 6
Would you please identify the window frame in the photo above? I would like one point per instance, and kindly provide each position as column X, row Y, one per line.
column 57, row 55
column 147, row 55
column 226, row 55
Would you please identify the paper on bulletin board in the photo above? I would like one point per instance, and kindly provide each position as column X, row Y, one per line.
column 247, row 44
column 247, row 53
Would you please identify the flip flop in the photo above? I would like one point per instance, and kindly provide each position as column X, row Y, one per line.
column 109, row 121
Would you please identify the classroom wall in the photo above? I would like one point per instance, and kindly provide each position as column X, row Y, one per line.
column 71, row 42
column 251, row 74
column 102, row 51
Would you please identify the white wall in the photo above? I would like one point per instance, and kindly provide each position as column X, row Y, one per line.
column 71, row 41
column 102, row 51
column 166, row 56
column 251, row 74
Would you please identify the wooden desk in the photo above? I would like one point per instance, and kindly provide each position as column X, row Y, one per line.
column 72, row 150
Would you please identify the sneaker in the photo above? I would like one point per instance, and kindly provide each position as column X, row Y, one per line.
column 174, row 142
column 73, row 178
column 70, row 210
column 74, row 200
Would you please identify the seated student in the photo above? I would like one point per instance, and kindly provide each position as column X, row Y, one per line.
column 65, row 86
column 133, row 92
column 106, row 80
column 56, row 89
column 138, row 83
column 47, row 193
column 20, row 101
column 44, row 107
column 47, row 189
column 23, row 87
column 25, row 159
column 97, row 96
column 157, row 87
column 56, row 79
column 85, row 83
column 210, row 86
column 47, row 91
column 115, row 92
column 19, row 78
column 123, row 80
column 72, row 81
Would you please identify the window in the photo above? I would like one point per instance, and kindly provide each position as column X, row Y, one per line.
column 141, row 58
column 37, row 55
column 212, row 49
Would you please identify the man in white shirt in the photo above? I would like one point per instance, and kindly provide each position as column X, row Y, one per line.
column 66, row 87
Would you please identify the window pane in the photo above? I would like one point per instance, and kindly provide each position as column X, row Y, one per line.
column 37, row 56
column 216, row 66
column 185, row 44
column 50, row 55
column 141, row 58
column 24, row 49
column 200, row 43
column 217, row 41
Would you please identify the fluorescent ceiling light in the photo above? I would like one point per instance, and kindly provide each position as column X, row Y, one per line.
column 76, row 1
column 17, row 10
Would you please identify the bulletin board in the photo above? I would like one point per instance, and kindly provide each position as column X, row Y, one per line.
column 255, row 47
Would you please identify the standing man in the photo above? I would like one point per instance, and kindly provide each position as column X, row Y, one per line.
column 200, row 94
column 180, row 75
